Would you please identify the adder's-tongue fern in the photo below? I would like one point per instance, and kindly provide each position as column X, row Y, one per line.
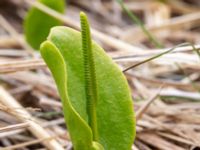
column 90, row 75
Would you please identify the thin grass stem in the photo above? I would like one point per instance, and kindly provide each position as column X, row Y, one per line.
column 135, row 19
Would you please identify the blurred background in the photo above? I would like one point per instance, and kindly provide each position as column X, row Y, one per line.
column 165, row 89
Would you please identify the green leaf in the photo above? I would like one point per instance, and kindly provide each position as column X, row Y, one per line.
column 80, row 132
column 115, row 117
column 37, row 24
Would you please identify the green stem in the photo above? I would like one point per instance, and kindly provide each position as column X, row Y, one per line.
column 90, row 75
column 140, row 23
column 154, row 57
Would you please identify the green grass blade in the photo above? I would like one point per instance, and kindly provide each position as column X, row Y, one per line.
column 154, row 57
column 135, row 19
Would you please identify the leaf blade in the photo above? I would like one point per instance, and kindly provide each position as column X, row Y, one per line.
column 115, row 115
column 80, row 132
column 37, row 24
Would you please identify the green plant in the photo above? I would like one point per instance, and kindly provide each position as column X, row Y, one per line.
column 96, row 100
column 37, row 24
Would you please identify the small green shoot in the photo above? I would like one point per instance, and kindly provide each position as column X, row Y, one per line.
column 96, row 99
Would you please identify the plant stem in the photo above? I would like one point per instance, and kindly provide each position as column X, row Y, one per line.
column 139, row 23
column 90, row 75
column 155, row 56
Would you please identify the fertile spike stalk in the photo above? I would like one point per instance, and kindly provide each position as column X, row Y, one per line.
column 90, row 75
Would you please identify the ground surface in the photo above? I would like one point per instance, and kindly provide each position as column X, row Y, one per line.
column 165, row 91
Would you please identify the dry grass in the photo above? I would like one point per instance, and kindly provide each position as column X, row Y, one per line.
column 167, row 119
